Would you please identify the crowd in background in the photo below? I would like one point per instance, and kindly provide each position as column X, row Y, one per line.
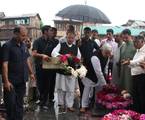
column 121, row 55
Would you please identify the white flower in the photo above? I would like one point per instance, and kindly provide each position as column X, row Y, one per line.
column 125, row 117
column 126, row 95
column 82, row 71
column 123, row 92
column 73, row 72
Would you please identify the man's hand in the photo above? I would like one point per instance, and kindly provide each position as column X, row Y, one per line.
column 125, row 62
column 8, row 86
column 32, row 77
column 111, row 56
column 142, row 64
column 45, row 57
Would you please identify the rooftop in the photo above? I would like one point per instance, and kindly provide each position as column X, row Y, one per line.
column 22, row 16
column 116, row 29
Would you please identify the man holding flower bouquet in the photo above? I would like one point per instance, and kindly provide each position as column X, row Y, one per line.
column 69, row 55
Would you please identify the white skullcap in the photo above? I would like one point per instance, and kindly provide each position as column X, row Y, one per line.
column 106, row 47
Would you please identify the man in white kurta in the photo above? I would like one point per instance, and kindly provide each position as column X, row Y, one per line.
column 65, row 85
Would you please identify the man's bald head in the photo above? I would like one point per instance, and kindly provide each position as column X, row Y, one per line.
column 20, row 33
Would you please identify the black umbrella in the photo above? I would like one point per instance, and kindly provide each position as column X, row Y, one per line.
column 84, row 13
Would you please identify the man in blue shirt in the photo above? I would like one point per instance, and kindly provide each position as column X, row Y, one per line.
column 16, row 66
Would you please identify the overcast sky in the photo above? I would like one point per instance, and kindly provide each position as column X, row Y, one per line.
column 118, row 11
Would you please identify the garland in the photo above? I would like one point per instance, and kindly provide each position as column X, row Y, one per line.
column 112, row 98
column 124, row 115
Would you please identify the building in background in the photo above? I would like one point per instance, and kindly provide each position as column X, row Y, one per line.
column 135, row 24
column 31, row 21
column 2, row 15
column 62, row 25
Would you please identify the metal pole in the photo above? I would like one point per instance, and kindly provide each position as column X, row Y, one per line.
column 85, row 2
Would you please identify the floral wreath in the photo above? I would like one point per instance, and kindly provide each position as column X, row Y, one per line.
column 112, row 98
column 124, row 115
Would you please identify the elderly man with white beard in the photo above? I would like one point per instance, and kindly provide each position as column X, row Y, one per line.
column 95, row 78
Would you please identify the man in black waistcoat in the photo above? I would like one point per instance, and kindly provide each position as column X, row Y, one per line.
column 87, row 48
column 66, row 83
column 41, row 50
column 95, row 76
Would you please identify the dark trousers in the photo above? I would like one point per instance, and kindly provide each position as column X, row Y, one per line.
column 81, row 86
column 46, row 84
column 49, row 84
column 39, row 81
column 138, row 93
column 14, row 102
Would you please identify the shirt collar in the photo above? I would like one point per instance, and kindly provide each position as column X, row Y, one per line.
column 43, row 38
column 15, row 43
column 111, row 40
column 142, row 48
column 68, row 44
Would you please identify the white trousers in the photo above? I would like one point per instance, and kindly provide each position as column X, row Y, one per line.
column 86, row 96
column 88, row 91
column 65, row 98
column 65, row 88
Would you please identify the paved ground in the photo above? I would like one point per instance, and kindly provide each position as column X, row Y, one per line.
column 52, row 114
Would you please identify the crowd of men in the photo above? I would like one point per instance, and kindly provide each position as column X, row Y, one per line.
column 122, row 54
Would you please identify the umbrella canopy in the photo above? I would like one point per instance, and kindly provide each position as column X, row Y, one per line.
column 84, row 13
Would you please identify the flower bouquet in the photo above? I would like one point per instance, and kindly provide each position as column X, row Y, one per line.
column 111, row 98
column 61, row 62
column 123, row 115
column 72, row 66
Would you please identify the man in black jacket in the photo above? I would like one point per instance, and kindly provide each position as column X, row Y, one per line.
column 41, row 50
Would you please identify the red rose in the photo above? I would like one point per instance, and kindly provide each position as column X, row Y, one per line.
column 76, row 60
column 63, row 58
column 68, row 55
